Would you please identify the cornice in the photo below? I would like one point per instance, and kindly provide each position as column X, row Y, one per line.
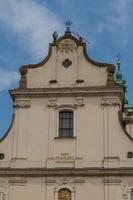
column 72, row 91
column 44, row 172
column 111, row 101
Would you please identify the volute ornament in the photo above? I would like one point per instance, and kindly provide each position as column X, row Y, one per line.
column 67, row 45
column 22, row 103
column 126, row 190
column 3, row 190
column 110, row 101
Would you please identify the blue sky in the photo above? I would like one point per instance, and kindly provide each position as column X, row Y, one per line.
column 26, row 28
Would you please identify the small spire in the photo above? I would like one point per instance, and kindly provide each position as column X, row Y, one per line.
column 68, row 24
column 120, row 81
column 118, row 73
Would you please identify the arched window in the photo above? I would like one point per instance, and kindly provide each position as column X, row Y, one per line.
column 131, row 194
column 66, row 124
column 64, row 194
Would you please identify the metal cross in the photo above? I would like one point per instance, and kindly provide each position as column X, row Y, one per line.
column 68, row 24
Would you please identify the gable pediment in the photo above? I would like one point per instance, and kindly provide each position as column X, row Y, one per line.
column 67, row 65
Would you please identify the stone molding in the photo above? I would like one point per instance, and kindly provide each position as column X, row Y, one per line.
column 126, row 190
column 3, row 190
column 112, row 181
column 43, row 172
column 110, row 101
column 22, row 103
column 17, row 182
column 67, row 106
column 73, row 91
column 50, row 181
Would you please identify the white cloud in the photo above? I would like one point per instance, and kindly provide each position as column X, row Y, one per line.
column 32, row 22
column 116, row 19
column 7, row 78
column 100, row 27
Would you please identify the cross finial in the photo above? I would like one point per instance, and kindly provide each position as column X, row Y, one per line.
column 68, row 24
column 118, row 58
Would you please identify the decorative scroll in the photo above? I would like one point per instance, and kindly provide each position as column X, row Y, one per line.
column 52, row 102
column 126, row 190
column 64, row 181
column 67, row 45
column 79, row 101
column 110, row 101
column 3, row 190
column 22, row 103
column 68, row 181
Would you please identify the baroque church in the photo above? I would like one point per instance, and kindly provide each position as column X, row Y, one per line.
column 71, row 135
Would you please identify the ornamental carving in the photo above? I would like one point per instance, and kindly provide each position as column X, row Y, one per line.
column 110, row 101
column 52, row 102
column 79, row 101
column 67, row 45
column 67, row 63
column 64, row 181
column 22, row 103
column 67, row 181
column 3, row 190
column 126, row 190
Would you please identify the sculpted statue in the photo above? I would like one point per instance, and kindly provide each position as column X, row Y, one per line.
column 64, row 194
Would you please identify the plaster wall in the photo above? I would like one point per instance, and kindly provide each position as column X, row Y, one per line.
column 35, row 143
column 80, row 69
column 81, row 188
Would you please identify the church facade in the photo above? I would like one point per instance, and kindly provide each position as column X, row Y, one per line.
column 71, row 136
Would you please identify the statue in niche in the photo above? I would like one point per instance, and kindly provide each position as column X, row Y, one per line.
column 64, row 194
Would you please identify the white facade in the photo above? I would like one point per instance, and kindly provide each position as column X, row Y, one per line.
column 93, row 161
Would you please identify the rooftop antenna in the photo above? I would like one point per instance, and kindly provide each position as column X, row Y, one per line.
column 80, row 37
